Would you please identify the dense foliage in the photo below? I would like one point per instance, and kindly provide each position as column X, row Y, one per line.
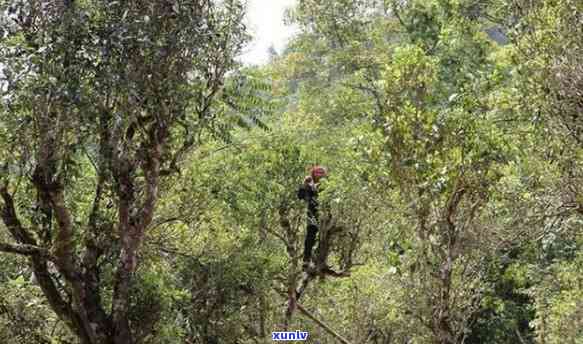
column 148, row 180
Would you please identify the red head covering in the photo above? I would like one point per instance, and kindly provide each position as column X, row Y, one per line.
column 318, row 172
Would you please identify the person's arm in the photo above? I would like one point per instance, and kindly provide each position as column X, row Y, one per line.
column 304, row 190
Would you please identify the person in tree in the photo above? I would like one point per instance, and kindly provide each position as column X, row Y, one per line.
column 308, row 192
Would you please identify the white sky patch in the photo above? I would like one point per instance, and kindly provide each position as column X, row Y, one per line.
column 265, row 22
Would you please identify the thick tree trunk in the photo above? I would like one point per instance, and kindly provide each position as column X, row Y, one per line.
column 121, row 324
column 133, row 221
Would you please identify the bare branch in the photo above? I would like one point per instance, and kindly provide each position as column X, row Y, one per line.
column 320, row 323
column 26, row 250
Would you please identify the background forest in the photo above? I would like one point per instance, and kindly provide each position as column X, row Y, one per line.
column 148, row 180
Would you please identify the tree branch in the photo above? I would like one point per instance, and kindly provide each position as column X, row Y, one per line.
column 39, row 262
column 317, row 321
column 10, row 219
column 26, row 250
column 322, row 324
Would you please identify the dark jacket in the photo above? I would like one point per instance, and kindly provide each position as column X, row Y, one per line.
column 310, row 195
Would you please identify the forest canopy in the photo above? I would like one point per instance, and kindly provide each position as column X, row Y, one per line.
column 402, row 172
